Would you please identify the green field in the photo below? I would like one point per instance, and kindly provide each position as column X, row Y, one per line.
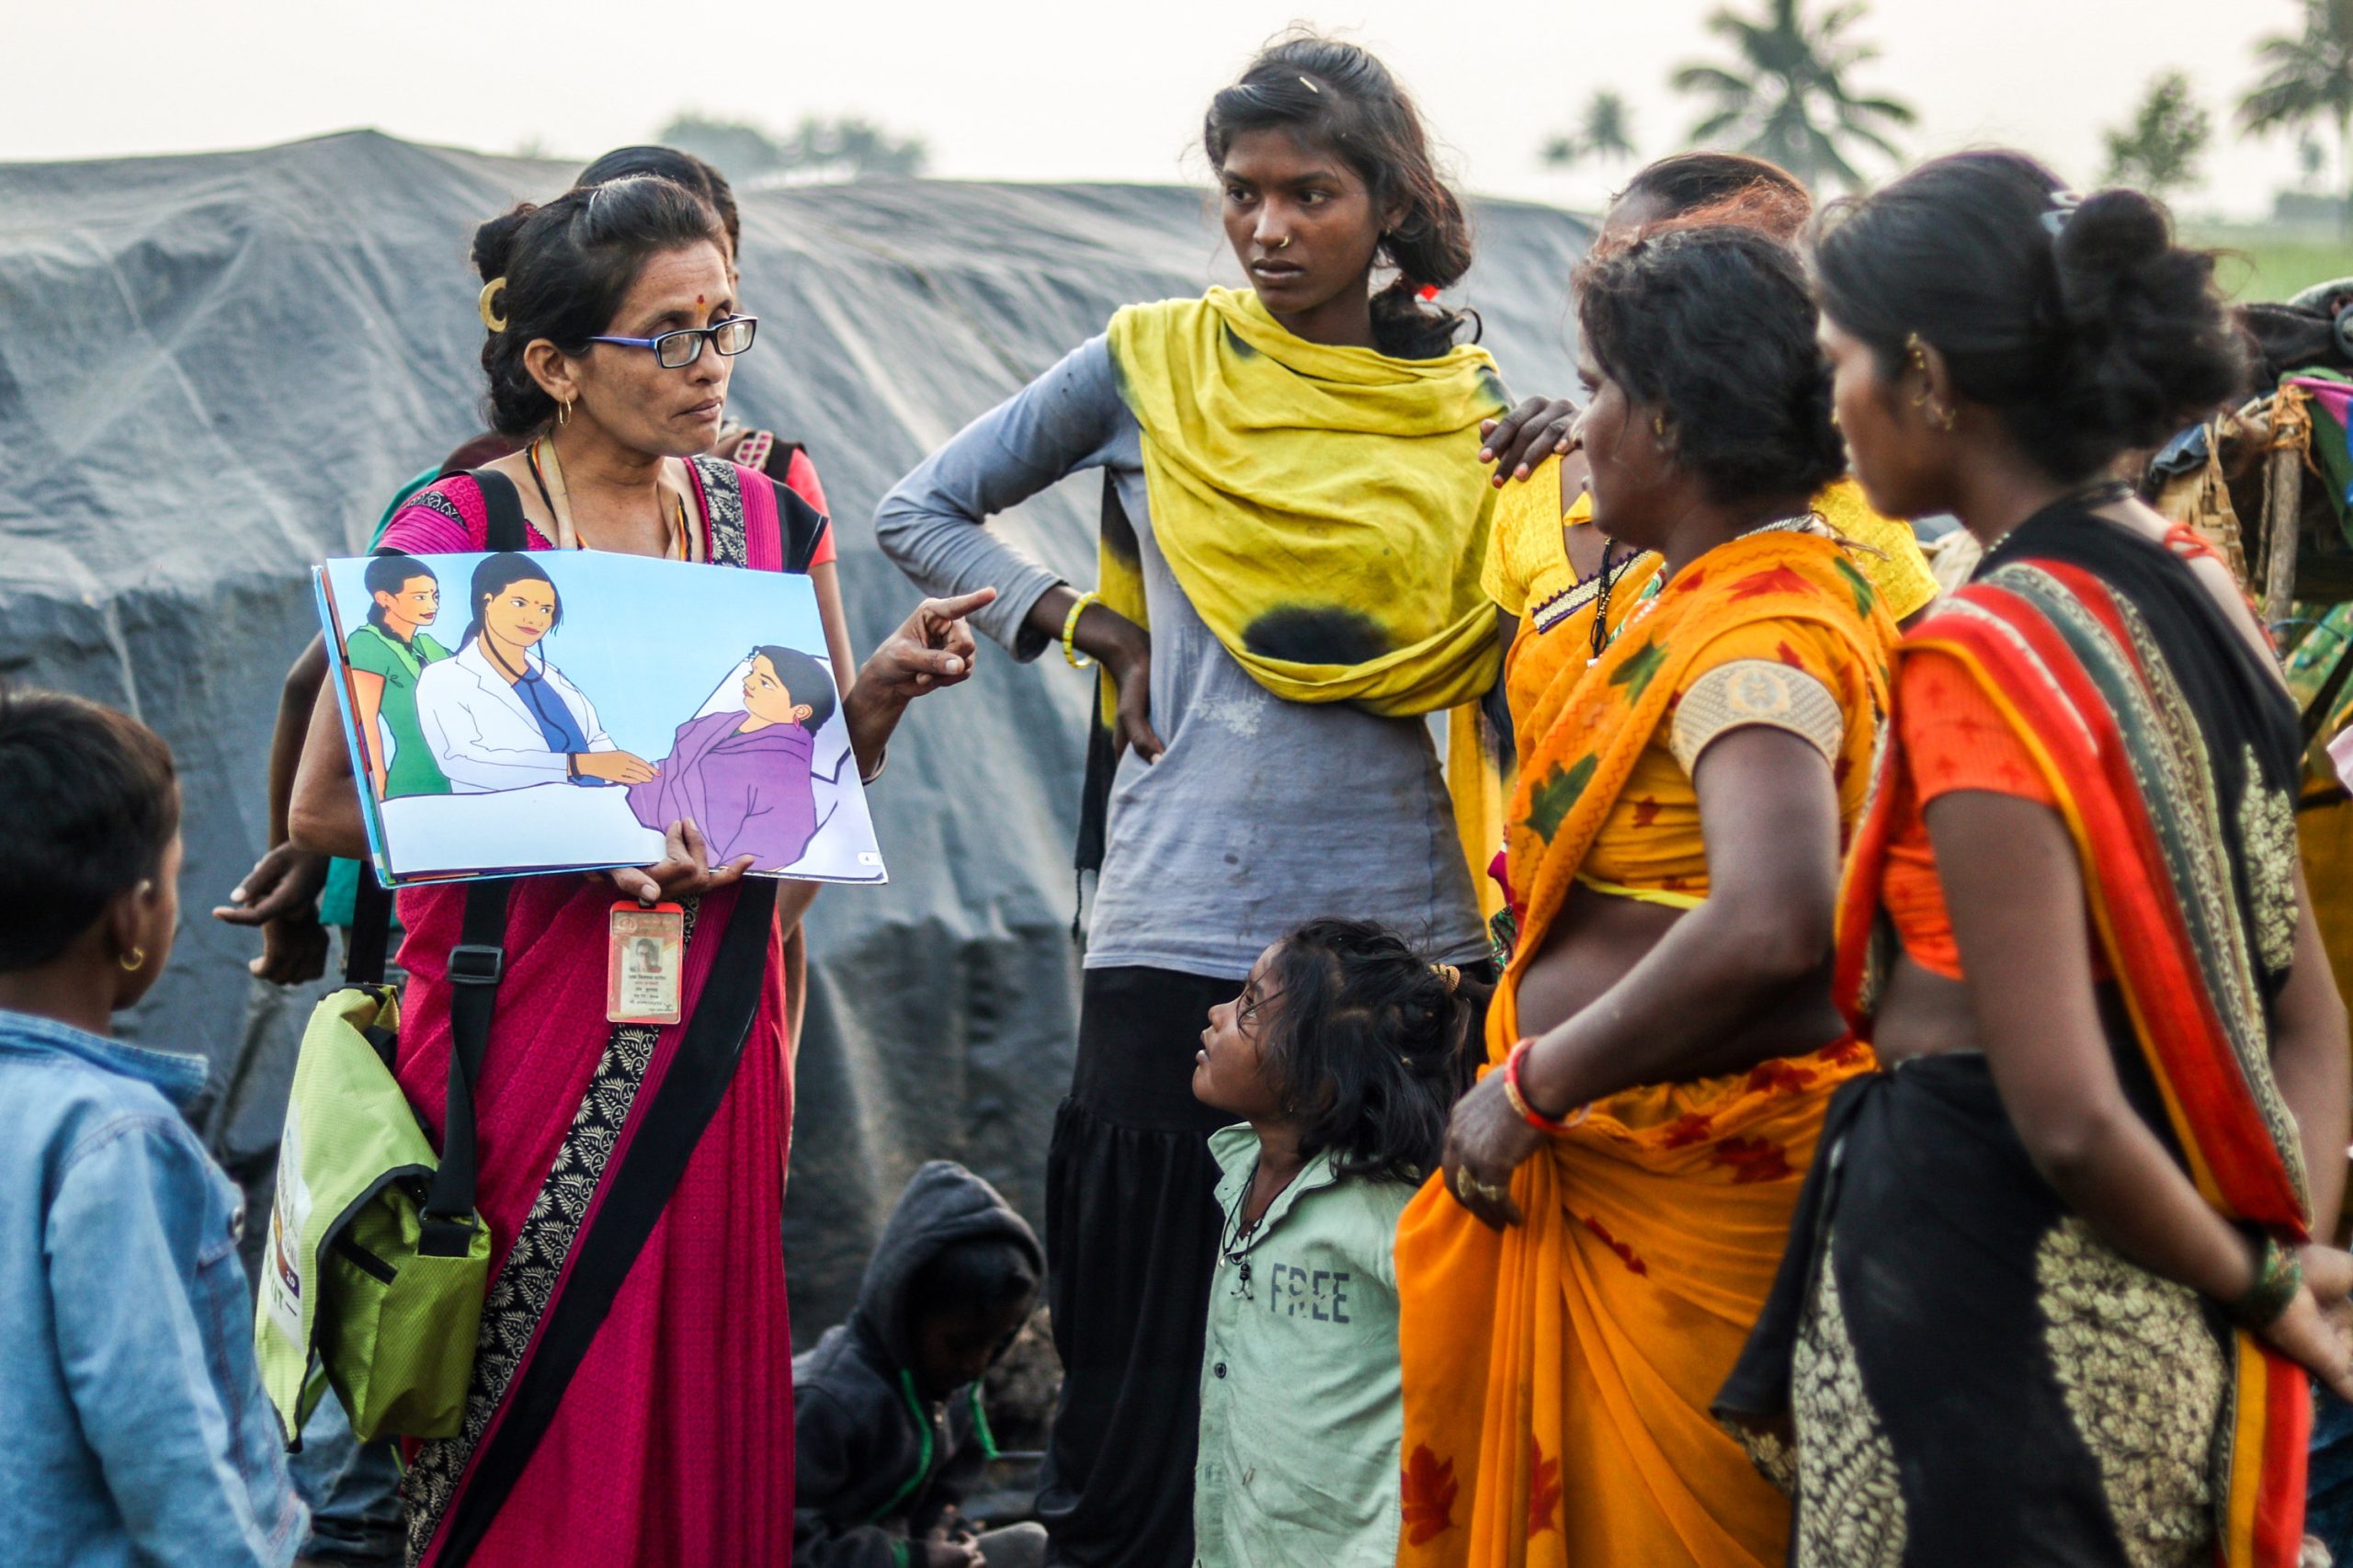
column 2270, row 263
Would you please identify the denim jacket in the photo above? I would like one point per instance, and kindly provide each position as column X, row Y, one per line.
column 135, row 1426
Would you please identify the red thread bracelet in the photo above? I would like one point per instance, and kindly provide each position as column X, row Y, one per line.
column 1518, row 1096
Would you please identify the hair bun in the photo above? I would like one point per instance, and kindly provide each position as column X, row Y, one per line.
column 2107, row 243
column 2148, row 344
column 494, row 244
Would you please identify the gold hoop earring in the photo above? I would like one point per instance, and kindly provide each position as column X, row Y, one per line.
column 132, row 961
column 564, row 411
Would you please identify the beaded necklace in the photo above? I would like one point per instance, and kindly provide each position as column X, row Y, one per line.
column 1604, row 634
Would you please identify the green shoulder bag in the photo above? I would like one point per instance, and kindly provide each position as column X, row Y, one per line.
column 377, row 1263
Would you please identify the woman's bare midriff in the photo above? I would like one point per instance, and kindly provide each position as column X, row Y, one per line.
column 1598, row 937
column 1922, row 1014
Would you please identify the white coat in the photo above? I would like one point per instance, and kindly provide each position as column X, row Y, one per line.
column 483, row 735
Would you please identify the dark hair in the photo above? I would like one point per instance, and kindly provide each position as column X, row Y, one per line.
column 568, row 266
column 679, row 168
column 494, row 575
column 388, row 574
column 979, row 1274
column 1712, row 326
column 2090, row 330
column 476, row 451
column 92, row 805
column 1759, row 192
column 805, row 678
column 1370, row 1043
column 1341, row 98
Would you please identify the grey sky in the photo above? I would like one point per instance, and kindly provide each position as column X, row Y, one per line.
column 1059, row 89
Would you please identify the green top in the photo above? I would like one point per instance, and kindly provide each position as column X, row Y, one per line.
column 409, row 769
column 1301, row 1414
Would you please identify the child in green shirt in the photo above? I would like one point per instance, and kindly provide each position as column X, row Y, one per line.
column 1341, row 1055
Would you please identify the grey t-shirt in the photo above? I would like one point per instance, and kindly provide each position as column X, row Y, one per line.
column 1262, row 812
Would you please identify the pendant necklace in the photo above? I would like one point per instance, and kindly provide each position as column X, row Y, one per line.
column 1242, row 1236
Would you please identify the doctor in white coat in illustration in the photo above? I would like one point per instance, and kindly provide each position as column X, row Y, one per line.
column 498, row 715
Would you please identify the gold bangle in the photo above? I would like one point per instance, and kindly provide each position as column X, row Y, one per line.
column 1071, row 655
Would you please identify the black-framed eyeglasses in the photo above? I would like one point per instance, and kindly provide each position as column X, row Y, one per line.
column 677, row 351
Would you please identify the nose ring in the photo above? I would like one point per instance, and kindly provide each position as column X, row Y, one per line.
column 1283, row 243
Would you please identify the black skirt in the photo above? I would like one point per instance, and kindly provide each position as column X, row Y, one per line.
column 1132, row 1227
column 1971, row 1376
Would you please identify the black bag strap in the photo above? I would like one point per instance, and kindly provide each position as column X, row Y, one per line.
column 506, row 509
column 636, row 1191
column 476, row 965
column 371, row 931
column 372, row 906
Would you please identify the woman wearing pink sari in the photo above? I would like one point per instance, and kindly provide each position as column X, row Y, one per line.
column 632, row 1399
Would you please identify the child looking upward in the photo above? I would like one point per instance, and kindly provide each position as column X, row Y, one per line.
column 1341, row 1057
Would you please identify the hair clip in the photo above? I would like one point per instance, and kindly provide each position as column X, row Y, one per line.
column 489, row 316
column 1311, row 87
column 2063, row 207
column 1447, row 973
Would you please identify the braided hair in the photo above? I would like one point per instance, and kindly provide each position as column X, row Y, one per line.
column 1340, row 97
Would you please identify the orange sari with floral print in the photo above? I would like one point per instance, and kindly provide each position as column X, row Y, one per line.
column 1557, row 1376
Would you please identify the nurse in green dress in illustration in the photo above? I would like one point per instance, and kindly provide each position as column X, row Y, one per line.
column 386, row 657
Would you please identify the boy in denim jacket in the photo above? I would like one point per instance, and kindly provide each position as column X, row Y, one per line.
column 136, row 1427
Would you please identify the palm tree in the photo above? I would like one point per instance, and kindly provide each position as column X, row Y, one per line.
column 2307, row 79
column 1789, row 100
column 1605, row 131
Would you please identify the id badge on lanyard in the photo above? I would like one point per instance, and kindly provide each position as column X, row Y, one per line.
column 646, row 958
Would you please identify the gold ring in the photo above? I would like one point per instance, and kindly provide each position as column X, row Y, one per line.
column 1469, row 1188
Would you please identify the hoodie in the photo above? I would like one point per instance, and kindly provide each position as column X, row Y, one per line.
column 873, row 1462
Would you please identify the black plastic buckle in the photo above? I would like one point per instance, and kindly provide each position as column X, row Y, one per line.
column 437, row 1237
column 476, row 963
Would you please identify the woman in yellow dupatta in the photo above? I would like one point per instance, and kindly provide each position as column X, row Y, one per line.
column 1694, row 745
column 1289, row 586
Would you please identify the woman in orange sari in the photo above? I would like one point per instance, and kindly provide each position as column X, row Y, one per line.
column 1694, row 745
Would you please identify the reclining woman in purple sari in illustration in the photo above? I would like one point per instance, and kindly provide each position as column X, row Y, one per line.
column 745, row 776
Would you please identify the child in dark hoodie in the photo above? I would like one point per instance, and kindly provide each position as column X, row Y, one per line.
column 888, row 1431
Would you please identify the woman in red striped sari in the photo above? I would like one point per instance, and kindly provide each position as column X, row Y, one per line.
column 2053, row 1293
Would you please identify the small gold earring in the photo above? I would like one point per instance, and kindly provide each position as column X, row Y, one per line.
column 564, row 411
column 1658, row 426
column 132, row 961
column 1947, row 419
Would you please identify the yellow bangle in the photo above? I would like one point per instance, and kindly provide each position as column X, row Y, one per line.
column 1071, row 655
